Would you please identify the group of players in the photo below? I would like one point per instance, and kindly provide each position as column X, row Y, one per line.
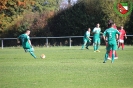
column 110, row 36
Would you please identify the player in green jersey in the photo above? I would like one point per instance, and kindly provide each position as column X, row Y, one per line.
column 26, row 43
column 86, row 39
column 111, row 35
column 96, row 37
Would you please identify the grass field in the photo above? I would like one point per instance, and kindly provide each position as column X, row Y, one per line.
column 65, row 67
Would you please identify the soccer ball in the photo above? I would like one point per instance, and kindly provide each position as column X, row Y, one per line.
column 42, row 56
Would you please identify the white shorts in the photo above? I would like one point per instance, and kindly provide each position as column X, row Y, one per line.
column 121, row 41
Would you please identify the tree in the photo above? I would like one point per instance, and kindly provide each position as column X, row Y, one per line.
column 108, row 9
column 13, row 12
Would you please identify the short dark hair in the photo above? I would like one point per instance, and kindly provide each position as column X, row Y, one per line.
column 27, row 30
column 110, row 23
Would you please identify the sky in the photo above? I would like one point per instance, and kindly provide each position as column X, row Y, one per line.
column 65, row 2
column 73, row 1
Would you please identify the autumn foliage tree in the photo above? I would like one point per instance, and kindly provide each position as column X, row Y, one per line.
column 17, row 15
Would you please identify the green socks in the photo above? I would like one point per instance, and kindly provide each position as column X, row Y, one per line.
column 32, row 54
column 95, row 47
column 113, row 56
column 106, row 57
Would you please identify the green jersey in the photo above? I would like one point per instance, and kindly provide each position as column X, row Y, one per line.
column 110, row 33
column 87, row 35
column 24, row 39
column 96, row 32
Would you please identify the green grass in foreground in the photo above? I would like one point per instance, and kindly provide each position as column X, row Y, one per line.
column 65, row 67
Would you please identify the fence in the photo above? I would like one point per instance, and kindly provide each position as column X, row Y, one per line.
column 47, row 39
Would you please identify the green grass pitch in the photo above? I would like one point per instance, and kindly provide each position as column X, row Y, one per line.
column 65, row 67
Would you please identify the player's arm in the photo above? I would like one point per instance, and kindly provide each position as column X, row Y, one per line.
column 94, row 31
column 101, row 33
column 125, row 36
column 88, row 37
column 28, row 38
column 29, row 42
column 105, row 40
column 104, row 36
column 117, row 35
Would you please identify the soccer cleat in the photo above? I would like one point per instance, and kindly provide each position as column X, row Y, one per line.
column 104, row 62
column 109, row 58
column 87, row 48
column 116, row 58
column 25, row 50
column 97, row 50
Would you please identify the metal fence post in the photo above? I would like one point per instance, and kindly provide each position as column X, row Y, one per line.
column 2, row 43
column 46, row 41
column 70, row 42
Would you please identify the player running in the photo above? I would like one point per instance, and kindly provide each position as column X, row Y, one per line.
column 96, row 37
column 110, row 33
column 26, row 43
column 86, row 39
column 121, row 39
